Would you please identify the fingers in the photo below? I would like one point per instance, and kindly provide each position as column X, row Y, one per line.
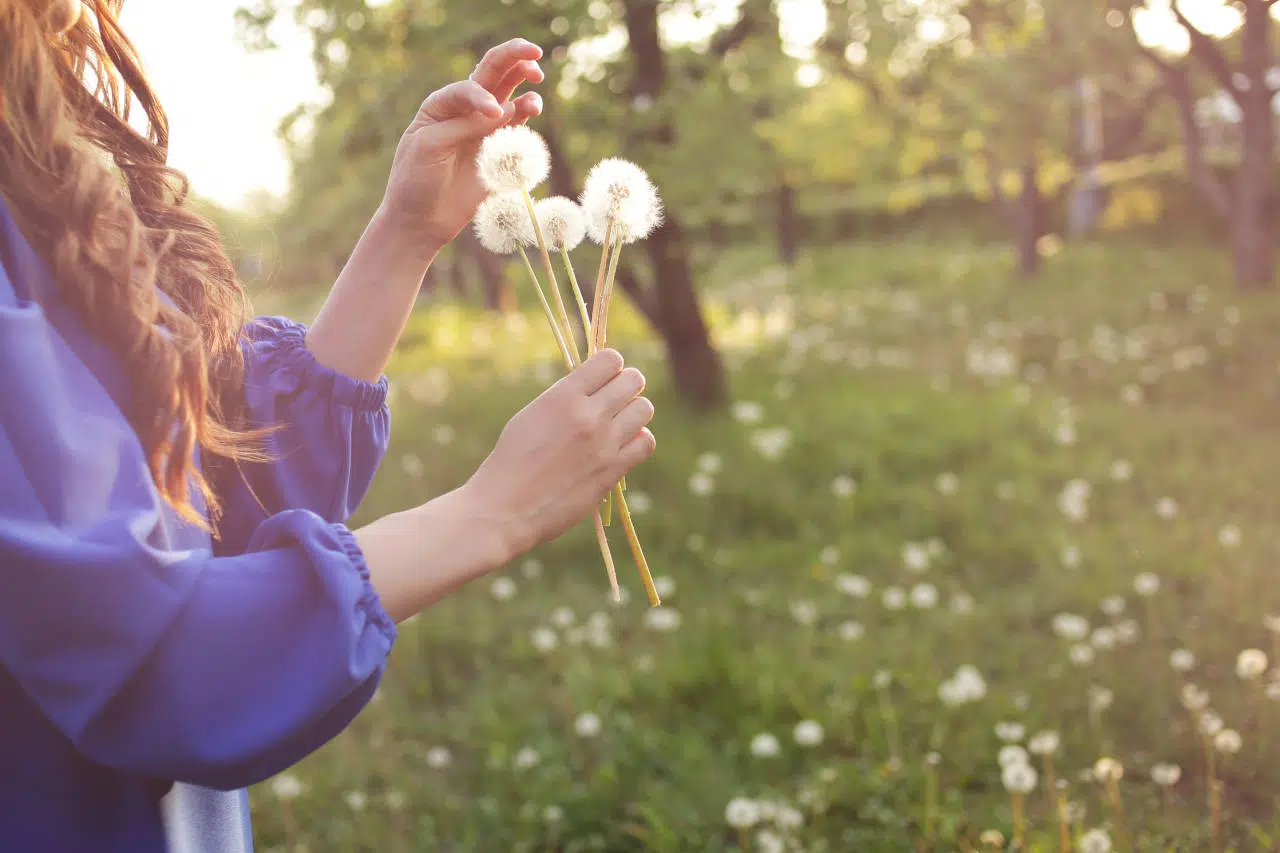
column 462, row 99
column 619, row 391
column 636, row 450
column 527, row 106
column 635, row 416
column 523, row 72
column 493, row 68
column 594, row 373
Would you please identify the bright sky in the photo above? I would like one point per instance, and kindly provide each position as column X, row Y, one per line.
column 224, row 103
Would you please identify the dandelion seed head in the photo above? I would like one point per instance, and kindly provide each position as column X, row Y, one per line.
column 1194, row 698
column 1011, row 753
column 808, row 733
column 1018, row 778
column 1227, row 741
column 742, row 813
column 513, row 159
column 1251, row 664
column 1165, row 775
column 1095, row 841
column 765, row 745
column 562, row 221
column 620, row 190
column 1108, row 769
column 502, row 224
column 1044, row 743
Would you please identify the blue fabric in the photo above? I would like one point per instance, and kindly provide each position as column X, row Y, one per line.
column 133, row 654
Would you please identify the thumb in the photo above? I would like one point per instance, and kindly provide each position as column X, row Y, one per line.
column 455, row 131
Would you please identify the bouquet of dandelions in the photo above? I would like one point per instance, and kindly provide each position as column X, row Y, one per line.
column 619, row 205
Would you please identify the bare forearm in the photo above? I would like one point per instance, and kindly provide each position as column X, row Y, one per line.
column 421, row 555
column 366, row 311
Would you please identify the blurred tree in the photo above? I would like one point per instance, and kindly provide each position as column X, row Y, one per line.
column 1240, row 68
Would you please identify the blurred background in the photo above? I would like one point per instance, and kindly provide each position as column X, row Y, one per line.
column 960, row 330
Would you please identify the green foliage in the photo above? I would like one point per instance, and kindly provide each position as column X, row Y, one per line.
column 897, row 406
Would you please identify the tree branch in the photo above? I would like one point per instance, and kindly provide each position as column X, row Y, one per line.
column 1207, row 51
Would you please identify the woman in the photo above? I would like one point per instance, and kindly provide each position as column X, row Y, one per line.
column 180, row 601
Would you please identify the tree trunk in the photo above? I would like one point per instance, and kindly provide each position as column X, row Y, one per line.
column 1251, row 231
column 695, row 365
column 1027, row 226
column 787, row 223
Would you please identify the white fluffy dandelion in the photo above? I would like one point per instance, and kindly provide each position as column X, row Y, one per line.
column 1227, row 741
column 1044, row 743
column 1107, row 769
column 1018, row 778
column 620, row 190
column 562, row 222
column 808, row 733
column 1165, row 775
column 1095, row 841
column 502, row 223
column 1251, row 664
column 513, row 159
column 1011, row 753
column 742, row 813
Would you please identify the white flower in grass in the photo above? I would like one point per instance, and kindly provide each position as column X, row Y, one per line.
column 1272, row 622
column 924, row 596
column 701, row 484
column 1112, row 605
column 1165, row 775
column 765, row 745
column 531, row 568
column 1166, row 508
column 439, row 757
column 843, row 487
column 587, row 724
column 1210, row 723
column 788, row 819
column 1095, row 841
column 355, row 800
column 1272, row 691
column 503, row 588
column 553, row 814
column 287, row 787
column 962, row 604
column 544, row 639
column 527, row 757
column 747, row 411
column 1121, row 470
column 1044, row 743
column 1194, row 698
column 804, row 612
column 854, row 586
column 620, row 190
column 710, row 462
column 850, row 630
column 915, row 557
column 882, row 679
column 563, row 224
column 1126, row 630
column 662, row 619
column 513, row 159
column 1070, row 626
column 771, row 443
column 1019, row 778
column 1107, row 769
column 1103, row 638
column 1010, row 732
column 1071, row 557
column 1146, row 584
column 502, row 224
column 412, row 465
column 1251, row 664
column 808, row 733
column 395, row 800
column 1100, row 698
column 1229, row 536
column 1011, row 753
column 1182, row 660
column 742, row 813
column 1227, row 741
column 665, row 586
column 1081, row 654
column 562, row 617
column 768, row 841
column 948, row 483
column 894, row 598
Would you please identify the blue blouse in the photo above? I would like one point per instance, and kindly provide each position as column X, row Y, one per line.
column 135, row 653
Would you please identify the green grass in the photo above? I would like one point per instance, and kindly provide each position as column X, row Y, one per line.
column 872, row 364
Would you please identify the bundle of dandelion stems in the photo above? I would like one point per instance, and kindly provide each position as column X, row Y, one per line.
column 619, row 205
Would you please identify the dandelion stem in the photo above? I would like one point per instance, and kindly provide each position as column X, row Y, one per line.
column 636, row 551
column 930, row 800
column 1064, row 826
column 1017, row 822
column 569, row 361
column 577, row 293
column 602, row 326
column 598, row 294
column 551, row 275
column 608, row 557
column 891, row 725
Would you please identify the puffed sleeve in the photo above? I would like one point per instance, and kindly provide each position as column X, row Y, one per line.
column 332, row 433
column 151, row 658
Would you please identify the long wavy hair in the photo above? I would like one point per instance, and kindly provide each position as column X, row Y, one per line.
column 97, row 200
